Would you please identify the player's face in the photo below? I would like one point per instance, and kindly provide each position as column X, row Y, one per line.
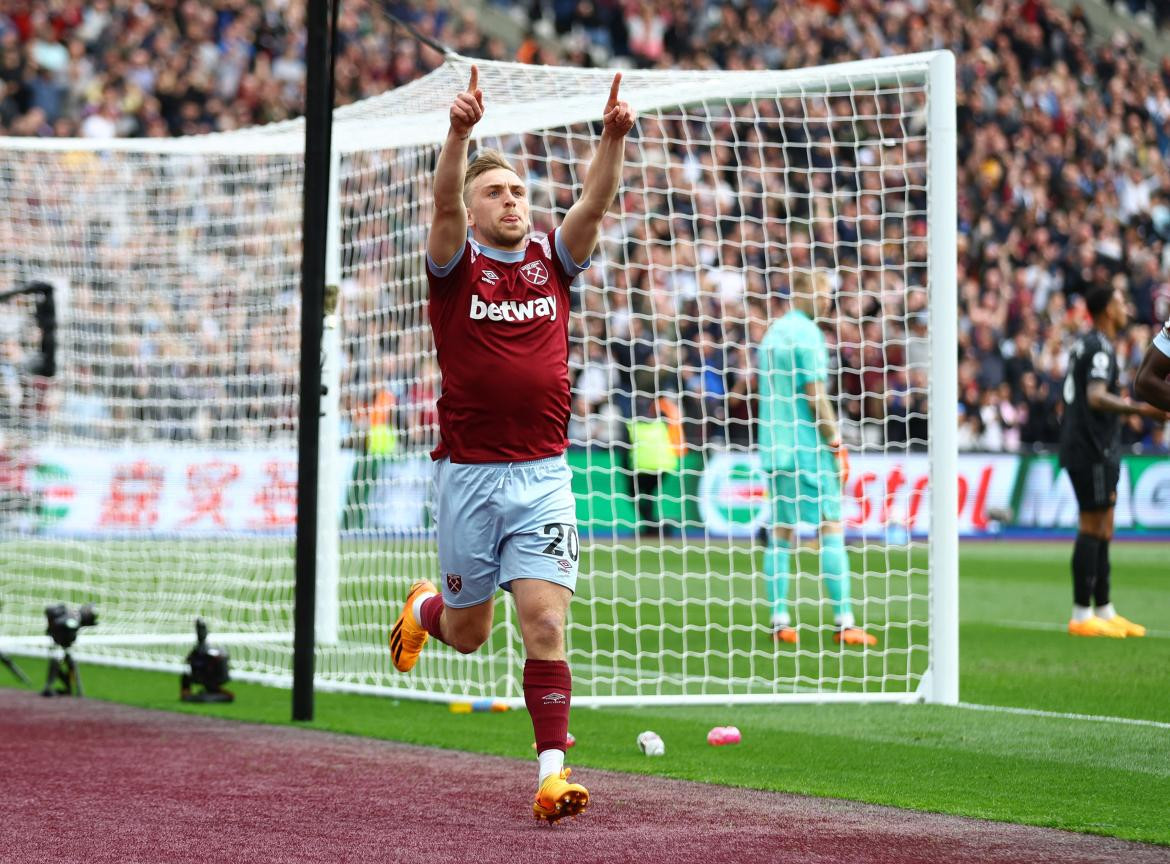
column 498, row 210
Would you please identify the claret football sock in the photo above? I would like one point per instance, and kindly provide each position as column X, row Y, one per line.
column 427, row 612
column 548, row 689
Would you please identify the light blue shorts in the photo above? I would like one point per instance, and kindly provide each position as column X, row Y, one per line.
column 808, row 492
column 500, row 521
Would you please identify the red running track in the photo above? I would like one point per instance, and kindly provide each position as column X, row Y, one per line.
column 95, row 782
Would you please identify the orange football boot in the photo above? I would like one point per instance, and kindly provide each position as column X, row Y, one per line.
column 787, row 635
column 1094, row 626
column 854, row 636
column 408, row 636
column 557, row 798
column 1129, row 628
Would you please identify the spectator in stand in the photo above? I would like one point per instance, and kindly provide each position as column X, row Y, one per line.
column 1062, row 182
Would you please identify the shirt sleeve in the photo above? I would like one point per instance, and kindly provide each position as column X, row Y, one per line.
column 570, row 268
column 442, row 271
column 1100, row 364
column 1162, row 340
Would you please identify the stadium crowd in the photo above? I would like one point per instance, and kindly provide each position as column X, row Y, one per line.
column 1063, row 181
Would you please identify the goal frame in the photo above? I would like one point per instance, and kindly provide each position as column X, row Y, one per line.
column 939, row 684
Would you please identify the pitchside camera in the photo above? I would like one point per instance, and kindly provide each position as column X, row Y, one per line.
column 65, row 622
column 209, row 671
column 63, row 626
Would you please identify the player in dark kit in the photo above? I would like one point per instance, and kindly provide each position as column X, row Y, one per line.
column 1090, row 441
column 499, row 310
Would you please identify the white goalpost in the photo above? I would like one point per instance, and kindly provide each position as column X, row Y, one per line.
column 151, row 475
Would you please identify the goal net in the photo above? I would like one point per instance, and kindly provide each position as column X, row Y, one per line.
column 154, row 474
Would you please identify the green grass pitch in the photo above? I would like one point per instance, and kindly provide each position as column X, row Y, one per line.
column 1093, row 772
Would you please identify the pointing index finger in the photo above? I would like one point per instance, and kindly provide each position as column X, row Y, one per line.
column 613, row 89
column 474, row 83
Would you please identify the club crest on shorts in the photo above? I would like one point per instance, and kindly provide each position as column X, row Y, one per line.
column 535, row 272
column 454, row 583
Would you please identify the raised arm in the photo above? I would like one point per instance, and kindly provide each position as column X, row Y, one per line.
column 1150, row 382
column 449, row 224
column 582, row 225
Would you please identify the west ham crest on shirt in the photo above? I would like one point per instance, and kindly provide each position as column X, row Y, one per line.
column 535, row 272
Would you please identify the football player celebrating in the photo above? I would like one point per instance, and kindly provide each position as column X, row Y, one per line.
column 499, row 311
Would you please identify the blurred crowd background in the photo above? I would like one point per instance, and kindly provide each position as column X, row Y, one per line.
column 1063, row 139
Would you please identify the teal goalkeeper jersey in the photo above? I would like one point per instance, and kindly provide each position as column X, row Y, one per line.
column 792, row 355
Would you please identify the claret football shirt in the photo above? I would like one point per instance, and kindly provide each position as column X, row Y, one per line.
column 501, row 326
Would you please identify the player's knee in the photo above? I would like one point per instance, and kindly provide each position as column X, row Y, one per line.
column 545, row 630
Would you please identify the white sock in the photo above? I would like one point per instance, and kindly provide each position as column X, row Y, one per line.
column 844, row 621
column 551, row 762
column 780, row 620
column 416, row 610
column 1106, row 612
column 1082, row 613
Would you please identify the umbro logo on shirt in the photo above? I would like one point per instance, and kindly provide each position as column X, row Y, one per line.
column 490, row 276
column 513, row 310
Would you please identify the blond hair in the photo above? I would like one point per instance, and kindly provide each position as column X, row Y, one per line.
column 484, row 161
column 802, row 282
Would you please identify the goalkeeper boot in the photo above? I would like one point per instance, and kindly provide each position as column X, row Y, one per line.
column 854, row 636
column 786, row 635
column 408, row 636
column 557, row 798
column 1129, row 628
column 1094, row 626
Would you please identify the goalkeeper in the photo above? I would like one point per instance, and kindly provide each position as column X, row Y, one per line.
column 801, row 452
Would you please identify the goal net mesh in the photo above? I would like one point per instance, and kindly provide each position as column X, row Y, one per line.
column 154, row 474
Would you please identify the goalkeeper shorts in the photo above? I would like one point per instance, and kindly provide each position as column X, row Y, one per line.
column 806, row 493
column 500, row 521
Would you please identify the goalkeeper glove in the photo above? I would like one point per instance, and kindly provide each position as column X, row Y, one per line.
column 842, row 456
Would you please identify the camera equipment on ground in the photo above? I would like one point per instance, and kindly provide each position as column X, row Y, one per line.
column 63, row 626
column 209, row 671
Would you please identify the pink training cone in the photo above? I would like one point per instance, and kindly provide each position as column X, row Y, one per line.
column 721, row 735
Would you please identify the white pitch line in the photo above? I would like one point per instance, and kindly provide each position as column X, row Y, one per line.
column 1095, row 718
column 1058, row 628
